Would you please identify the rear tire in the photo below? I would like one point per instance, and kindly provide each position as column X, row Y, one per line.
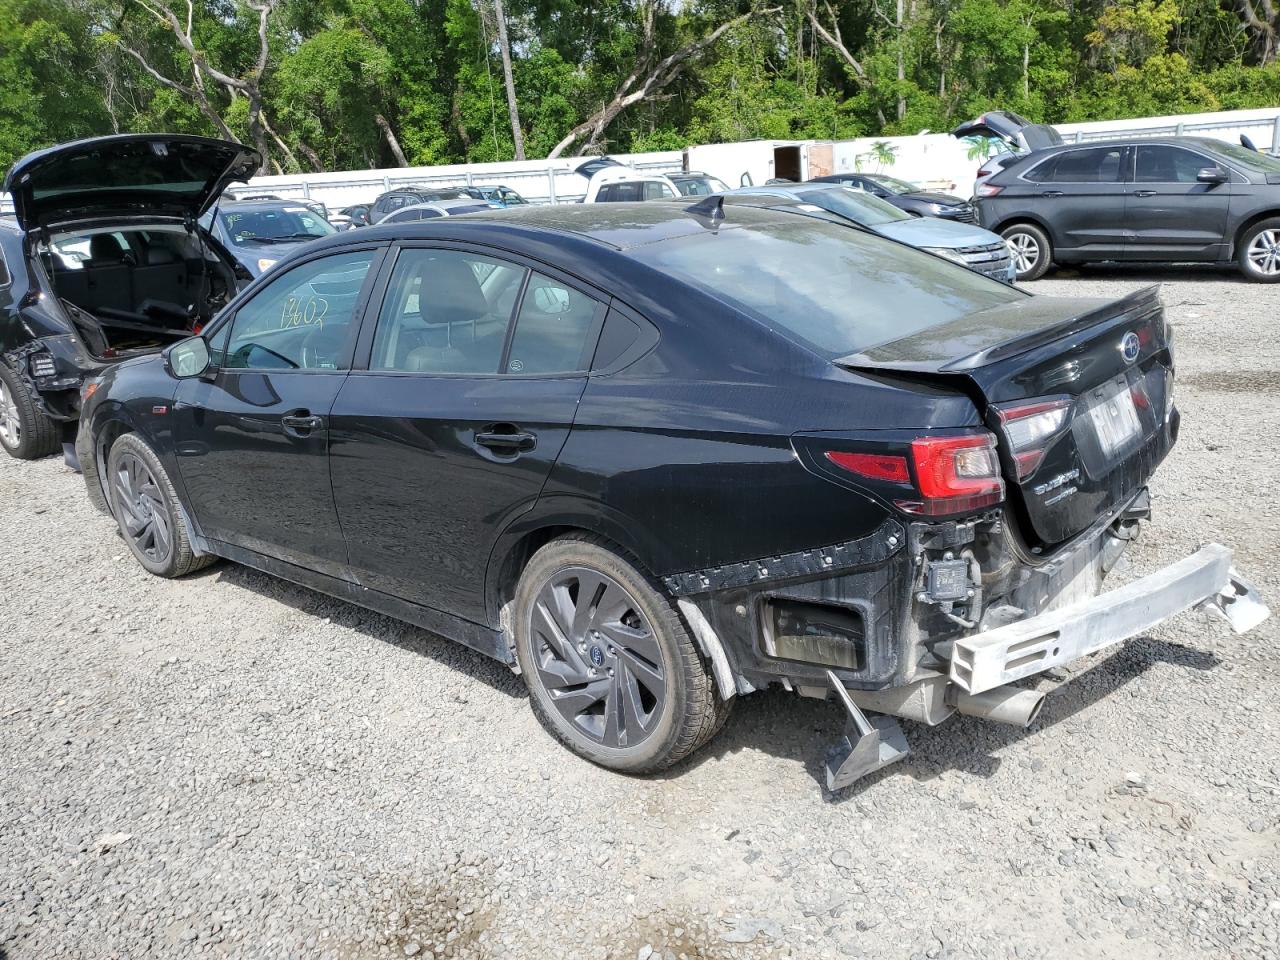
column 1031, row 249
column 147, row 510
column 612, row 672
column 1258, row 253
column 25, row 432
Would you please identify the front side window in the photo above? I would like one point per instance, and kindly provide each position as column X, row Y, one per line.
column 1159, row 164
column 301, row 320
column 446, row 311
column 657, row 190
column 553, row 329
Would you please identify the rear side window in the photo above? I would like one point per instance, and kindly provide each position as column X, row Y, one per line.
column 1159, row 164
column 446, row 311
column 837, row 291
column 619, row 193
column 553, row 329
column 301, row 320
column 1098, row 165
column 657, row 190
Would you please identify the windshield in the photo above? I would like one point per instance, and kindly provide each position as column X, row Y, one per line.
column 700, row 186
column 857, row 205
column 835, row 290
column 285, row 224
column 893, row 183
column 1250, row 159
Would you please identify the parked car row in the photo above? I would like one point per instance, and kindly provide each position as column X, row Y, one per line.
column 537, row 431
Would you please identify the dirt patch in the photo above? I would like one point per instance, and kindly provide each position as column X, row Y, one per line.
column 1236, row 381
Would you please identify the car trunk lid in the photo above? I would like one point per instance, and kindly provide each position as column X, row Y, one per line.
column 1007, row 127
column 103, row 178
column 1088, row 384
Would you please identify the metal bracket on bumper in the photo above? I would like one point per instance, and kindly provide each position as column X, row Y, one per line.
column 868, row 744
column 1204, row 579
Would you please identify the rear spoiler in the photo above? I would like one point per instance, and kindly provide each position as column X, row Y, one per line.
column 897, row 355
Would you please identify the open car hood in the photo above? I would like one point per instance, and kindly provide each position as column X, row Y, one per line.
column 156, row 174
column 1007, row 127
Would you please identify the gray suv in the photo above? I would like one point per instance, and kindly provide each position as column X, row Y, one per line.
column 1174, row 199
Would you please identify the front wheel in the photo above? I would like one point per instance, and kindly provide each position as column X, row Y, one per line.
column 25, row 432
column 1031, row 250
column 145, row 505
column 611, row 670
column 1259, row 252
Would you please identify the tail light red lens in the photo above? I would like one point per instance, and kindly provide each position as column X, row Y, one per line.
column 949, row 475
column 875, row 466
column 988, row 190
column 1030, row 427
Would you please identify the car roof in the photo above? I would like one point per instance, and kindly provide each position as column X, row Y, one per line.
column 445, row 205
column 1204, row 143
column 619, row 226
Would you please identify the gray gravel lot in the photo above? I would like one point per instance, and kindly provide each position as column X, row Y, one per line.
column 231, row 765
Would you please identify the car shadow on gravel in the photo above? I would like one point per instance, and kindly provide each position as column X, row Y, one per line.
column 1149, row 272
column 800, row 729
column 375, row 626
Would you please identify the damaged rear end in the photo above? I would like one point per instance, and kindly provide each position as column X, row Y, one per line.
column 1003, row 531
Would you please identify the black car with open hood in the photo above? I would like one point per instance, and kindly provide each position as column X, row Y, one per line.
column 106, row 261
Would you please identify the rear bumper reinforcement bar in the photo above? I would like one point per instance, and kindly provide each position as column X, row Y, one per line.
column 1204, row 579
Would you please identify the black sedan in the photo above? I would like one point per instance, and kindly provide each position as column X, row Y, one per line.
column 905, row 196
column 655, row 457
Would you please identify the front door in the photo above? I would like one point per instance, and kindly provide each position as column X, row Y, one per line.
column 474, row 372
column 1169, row 213
column 253, row 437
column 1080, row 194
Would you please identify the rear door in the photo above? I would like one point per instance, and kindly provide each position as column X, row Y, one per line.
column 468, row 384
column 253, row 439
column 1169, row 214
column 1080, row 194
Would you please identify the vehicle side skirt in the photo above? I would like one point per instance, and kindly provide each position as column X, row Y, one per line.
column 492, row 643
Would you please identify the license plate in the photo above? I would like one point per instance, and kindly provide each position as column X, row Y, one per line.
column 1115, row 421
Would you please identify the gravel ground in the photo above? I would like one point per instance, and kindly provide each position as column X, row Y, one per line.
column 231, row 765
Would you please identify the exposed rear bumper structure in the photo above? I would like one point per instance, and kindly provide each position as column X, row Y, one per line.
column 1206, row 578
column 982, row 665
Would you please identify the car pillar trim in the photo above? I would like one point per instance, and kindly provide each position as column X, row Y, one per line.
column 876, row 547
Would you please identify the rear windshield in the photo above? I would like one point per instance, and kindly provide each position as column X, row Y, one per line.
column 834, row 289
column 858, row 205
column 283, row 225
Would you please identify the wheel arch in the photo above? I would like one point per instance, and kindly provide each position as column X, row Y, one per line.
column 1014, row 220
column 1247, row 224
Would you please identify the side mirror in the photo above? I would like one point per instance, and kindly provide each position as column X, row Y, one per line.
column 188, row 358
column 1211, row 175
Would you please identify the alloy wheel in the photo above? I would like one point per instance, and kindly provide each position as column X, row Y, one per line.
column 1026, row 251
column 598, row 658
column 1264, row 253
column 10, row 423
column 141, row 508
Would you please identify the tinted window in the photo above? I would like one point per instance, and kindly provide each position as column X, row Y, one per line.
column 4, row 271
column 1159, row 164
column 1099, row 165
column 302, row 320
column 400, row 216
column 445, row 312
column 552, row 329
column 834, row 289
column 619, row 193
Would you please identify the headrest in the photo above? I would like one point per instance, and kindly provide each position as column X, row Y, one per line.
column 156, row 256
column 104, row 246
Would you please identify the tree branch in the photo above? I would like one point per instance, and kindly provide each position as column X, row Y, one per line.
column 390, row 136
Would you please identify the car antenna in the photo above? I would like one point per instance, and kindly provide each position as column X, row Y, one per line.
column 711, row 209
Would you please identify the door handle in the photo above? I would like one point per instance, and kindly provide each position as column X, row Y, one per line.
column 507, row 442
column 1144, row 193
column 301, row 423
column 1051, row 193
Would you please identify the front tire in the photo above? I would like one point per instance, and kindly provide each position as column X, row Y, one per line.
column 1258, row 252
column 25, row 432
column 611, row 669
column 145, row 506
column 1032, row 252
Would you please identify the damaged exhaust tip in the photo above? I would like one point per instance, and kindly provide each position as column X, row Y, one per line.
column 1011, row 705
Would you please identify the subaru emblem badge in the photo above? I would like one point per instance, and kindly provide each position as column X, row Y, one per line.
column 1129, row 347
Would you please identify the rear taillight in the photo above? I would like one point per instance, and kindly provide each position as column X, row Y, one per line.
column 949, row 474
column 1030, row 427
column 988, row 190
